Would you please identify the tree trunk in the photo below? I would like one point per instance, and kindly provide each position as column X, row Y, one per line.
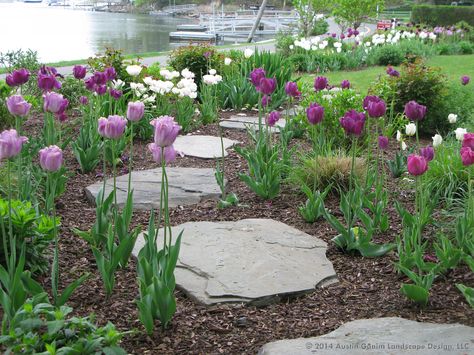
column 257, row 20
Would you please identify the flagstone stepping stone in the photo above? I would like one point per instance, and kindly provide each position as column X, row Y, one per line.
column 389, row 335
column 242, row 122
column 187, row 186
column 206, row 147
column 253, row 261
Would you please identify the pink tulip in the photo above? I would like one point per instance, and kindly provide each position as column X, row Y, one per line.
column 112, row 127
column 10, row 144
column 135, row 110
column 468, row 140
column 166, row 130
column 51, row 158
column 169, row 153
column 417, row 165
column 17, row 106
column 467, row 156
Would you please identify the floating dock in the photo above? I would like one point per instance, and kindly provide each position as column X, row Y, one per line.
column 194, row 36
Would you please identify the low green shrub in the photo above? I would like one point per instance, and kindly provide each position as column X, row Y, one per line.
column 72, row 89
column 38, row 327
column 31, row 228
column 6, row 120
column 197, row 58
column 389, row 55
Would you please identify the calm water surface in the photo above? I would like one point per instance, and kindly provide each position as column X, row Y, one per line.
column 64, row 34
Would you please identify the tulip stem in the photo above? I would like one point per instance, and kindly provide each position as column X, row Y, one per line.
column 222, row 167
column 351, row 194
column 130, row 162
column 114, row 171
column 55, row 266
column 10, row 226
column 20, row 160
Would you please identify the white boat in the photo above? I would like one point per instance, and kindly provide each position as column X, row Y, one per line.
column 32, row 1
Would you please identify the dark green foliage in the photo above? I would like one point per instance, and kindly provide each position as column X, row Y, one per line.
column 111, row 58
column 6, row 120
column 442, row 15
column 30, row 227
column 320, row 27
column 39, row 327
column 72, row 89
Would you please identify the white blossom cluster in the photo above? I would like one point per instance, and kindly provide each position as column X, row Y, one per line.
column 212, row 78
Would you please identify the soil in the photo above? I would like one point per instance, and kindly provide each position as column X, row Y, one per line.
column 367, row 288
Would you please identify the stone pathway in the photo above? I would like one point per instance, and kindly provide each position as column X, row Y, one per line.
column 205, row 147
column 242, row 122
column 382, row 336
column 252, row 261
column 187, row 186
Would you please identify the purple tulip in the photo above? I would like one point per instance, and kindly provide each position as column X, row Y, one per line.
column 368, row 99
column 51, row 158
column 112, row 127
column 416, row 165
column 110, row 73
column 207, row 54
column 18, row 77
column 315, row 113
column 83, row 100
column 465, row 80
column 345, row 84
column 79, row 72
column 10, row 144
column 355, row 32
column 392, row 72
column 17, row 106
column 100, row 89
column 353, row 122
column 62, row 117
column 427, row 153
column 169, row 153
column 90, row 84
column 135, row 111
column 467, row 156
column 414, row 111
column 291, row 89
column 320, row 83
column 100, row 78
column 266, row 99
column 333, row 35
column 166, row 130
column 273, row 118
column 376, row 108
column 48, row 82
column 267, row 86
column 55, row 103
column 116, row 94
column 256, row 75
column 342, row 36
column 383, row 142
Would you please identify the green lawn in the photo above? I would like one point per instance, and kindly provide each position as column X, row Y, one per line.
column 453, row 66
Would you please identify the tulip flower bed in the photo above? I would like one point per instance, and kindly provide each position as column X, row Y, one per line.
column 344, row 168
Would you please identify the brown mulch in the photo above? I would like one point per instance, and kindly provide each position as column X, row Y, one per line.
column 367, row 288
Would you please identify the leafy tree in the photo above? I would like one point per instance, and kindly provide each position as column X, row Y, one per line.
column 351, row 13
column 308, row 11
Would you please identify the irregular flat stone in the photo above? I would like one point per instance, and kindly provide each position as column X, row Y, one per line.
column 205, row 147
column 187, row 186
column 382, row 336
column 252, row 261
column 242, row 122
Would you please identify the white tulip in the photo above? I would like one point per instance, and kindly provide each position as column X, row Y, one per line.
column 134, row 70
column 404, row 146
column 437, row 140
column 460, row 132
column 187, row 74
column 248, row 53
column 227, row 61
column 452, row 118
column 410, row 129
column 292, row 46
column 212, row 71
column 399, row 136
column 148, row 80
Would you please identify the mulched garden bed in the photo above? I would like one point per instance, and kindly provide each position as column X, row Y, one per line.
column 367, row 288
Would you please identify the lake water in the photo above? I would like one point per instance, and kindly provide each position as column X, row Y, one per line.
column 58, row 33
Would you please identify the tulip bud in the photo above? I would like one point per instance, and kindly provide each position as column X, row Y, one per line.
column 320, row 83
column 315, row 113
column 169, row 153
column 383, row 142
column 414, row 111
column 273, row 118
column 467, row 156
column 10, row 144
column 460, row 132
column 135, row 111
column 112, row 127
column 345, row 84
column 437, row 140
column 51, row 158
column 166, row 130
column 427, row 153
column 353, row 122
column 416, row 165
column 55, row 103
column 468, row 140
column 256, row 75
column 465, row 80
column 79, row 72
column 452, row 118
column 410, row 129
column 17, row 106
column 291, row 89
